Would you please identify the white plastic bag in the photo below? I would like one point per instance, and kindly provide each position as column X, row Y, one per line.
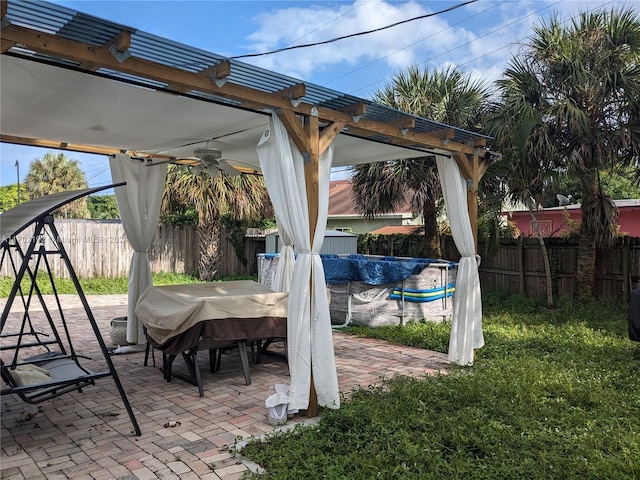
column 277, row 405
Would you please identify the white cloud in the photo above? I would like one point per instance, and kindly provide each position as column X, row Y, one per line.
column 480, row 38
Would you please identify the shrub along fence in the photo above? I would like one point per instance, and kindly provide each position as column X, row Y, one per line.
column 99, row 249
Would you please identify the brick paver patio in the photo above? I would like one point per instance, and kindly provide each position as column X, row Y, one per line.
column 88, row 435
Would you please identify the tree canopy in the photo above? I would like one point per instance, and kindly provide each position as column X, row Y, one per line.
column 211, row 197
column 577, row 109
column 9, row 197
column 447, row 95
column 103, row 207
column 55, row 173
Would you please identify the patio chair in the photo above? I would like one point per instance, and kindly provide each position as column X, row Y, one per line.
column 190, row 356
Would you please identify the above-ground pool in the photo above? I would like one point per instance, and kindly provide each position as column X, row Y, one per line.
column 375, row 291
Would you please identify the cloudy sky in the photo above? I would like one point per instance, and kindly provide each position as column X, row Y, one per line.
column 479, row 37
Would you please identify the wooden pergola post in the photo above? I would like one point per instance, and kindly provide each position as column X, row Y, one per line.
column 312, row 144
column 473, row 167
column 311, row 175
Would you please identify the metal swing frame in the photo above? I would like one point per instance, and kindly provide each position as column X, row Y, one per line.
column 59, row 357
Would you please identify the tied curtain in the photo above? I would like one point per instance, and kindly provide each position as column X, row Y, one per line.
column 309, row 338
column 286, row 263
column 466, row 326
column 139, row 204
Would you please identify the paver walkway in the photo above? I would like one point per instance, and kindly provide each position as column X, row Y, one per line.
column 88, row 435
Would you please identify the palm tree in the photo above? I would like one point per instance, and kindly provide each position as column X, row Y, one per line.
column 56, row 173
column 448, row 96
column 382, row 187
column 589, row 77
column 243, row 196
column 523, row 138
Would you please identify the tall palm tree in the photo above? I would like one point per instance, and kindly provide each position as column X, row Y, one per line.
column 448, row 96
column 57, row 173
column 243, row 196
column 588, row 72
column 523, row 138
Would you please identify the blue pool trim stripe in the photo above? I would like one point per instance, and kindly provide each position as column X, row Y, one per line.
column 422, row 296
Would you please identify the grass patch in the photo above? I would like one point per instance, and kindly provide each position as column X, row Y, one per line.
column 102, row 286
column 553, row 394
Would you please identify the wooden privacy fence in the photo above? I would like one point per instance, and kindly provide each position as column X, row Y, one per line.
column 230, row 264
column 99, row 249
column 517, row 266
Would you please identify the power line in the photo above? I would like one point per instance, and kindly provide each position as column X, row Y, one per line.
column 327, row 23
column 463, row 44
column 98, row 174
column 351, row 35
column 529, row 37
column 414, row 43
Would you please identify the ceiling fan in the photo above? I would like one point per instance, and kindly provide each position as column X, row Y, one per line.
column 210, row 159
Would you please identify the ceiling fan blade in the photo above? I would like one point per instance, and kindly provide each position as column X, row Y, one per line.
column 228, row 169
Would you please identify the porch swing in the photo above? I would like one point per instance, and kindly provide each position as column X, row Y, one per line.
column 42, row 363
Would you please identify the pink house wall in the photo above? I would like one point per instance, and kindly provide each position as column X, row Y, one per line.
column 552, row 222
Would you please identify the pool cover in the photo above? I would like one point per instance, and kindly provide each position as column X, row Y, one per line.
column 373, row 271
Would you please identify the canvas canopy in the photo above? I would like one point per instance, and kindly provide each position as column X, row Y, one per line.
column 77, row 82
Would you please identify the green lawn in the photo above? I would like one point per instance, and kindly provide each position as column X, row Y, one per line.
column 553, row 394
column 100, row 286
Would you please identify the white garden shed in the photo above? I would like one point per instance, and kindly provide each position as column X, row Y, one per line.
column 335, row 241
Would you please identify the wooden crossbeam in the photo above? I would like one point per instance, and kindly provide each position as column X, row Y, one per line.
column 122, row 41
column 6, row 45
column 406, row 141
column 75, row 147
column 403, row 123
column 218, row 71
column 444, row 133
column 355, row 110
column 294, row 92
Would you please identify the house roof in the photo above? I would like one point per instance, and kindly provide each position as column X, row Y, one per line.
column 627, row 203
column 342, row 201
column 397, row 229
column 74, row 81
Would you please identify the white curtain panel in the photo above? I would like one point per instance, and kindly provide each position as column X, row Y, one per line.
column 286, row 263
column 139, row 204
column 466, row 327
column 310, row 344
